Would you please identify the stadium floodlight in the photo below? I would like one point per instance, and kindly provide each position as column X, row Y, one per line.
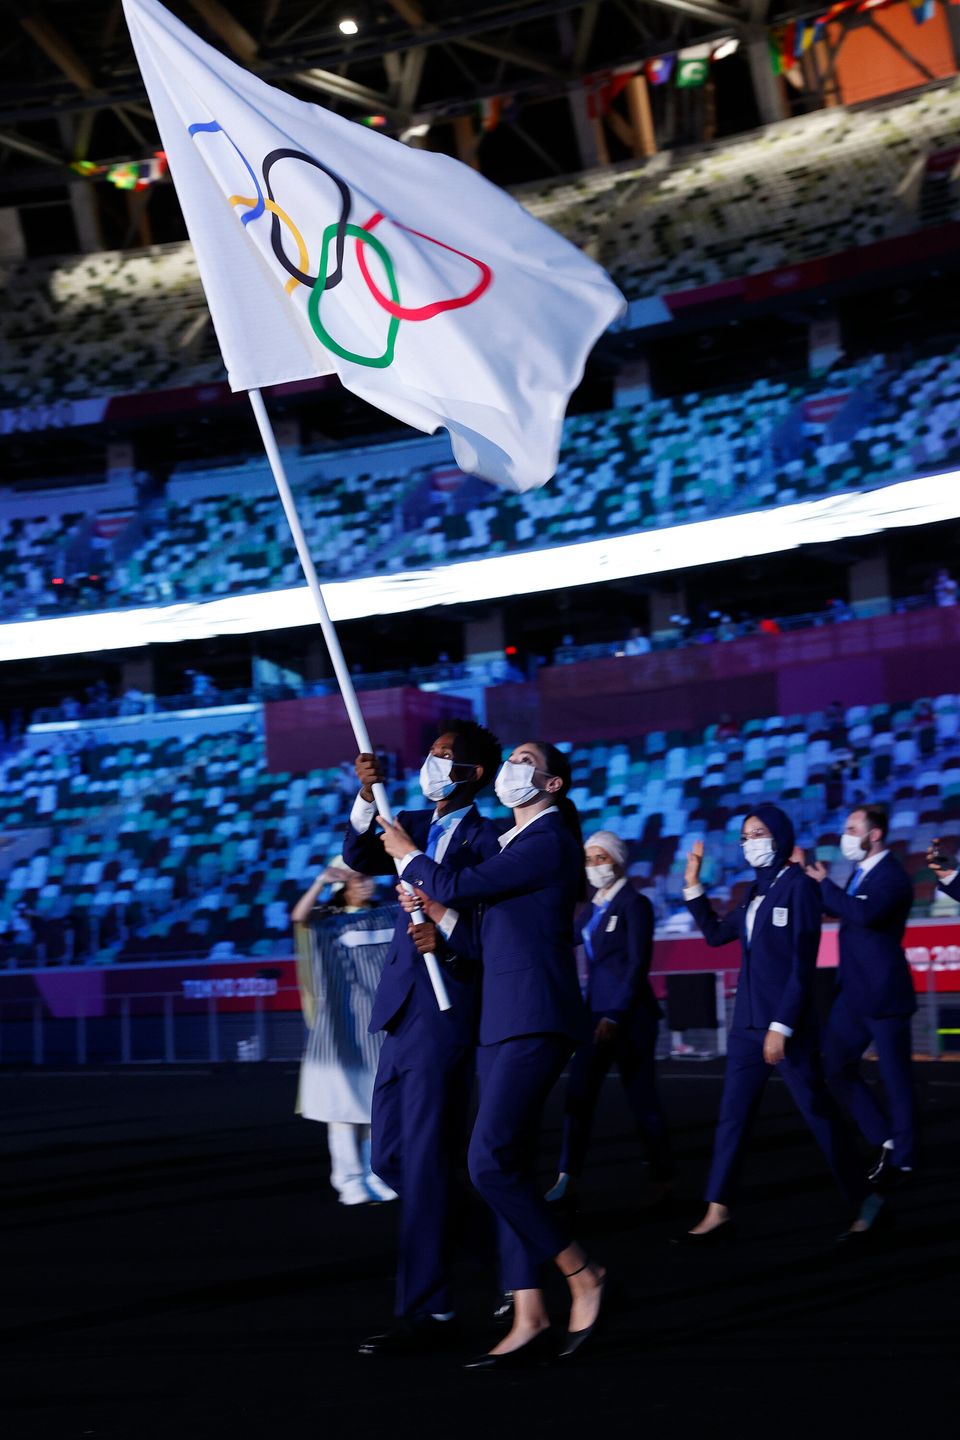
column 348, row 27
column 726, row 48
column 906, row 504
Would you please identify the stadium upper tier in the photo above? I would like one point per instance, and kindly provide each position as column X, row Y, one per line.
column 141, row 846
column 660, row 463
column 813, row 186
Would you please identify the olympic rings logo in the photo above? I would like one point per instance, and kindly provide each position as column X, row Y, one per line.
column 335, row 238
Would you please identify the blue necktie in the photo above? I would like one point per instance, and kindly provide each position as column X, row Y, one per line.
column 855, row 879
column 591, row 925
column 436, row 830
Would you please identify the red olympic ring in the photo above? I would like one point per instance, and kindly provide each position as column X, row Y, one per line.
column 421, row 312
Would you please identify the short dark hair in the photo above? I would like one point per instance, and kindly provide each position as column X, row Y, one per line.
column 481, row 745
column 877, row 817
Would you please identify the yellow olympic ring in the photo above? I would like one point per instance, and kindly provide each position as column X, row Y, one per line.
column 303, row 255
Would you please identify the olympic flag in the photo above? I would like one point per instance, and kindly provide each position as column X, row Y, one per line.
column 324, row 246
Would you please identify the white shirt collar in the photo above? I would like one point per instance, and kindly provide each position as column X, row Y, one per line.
column 510, row 835
column 866, row 866
column 451, row 818
column 603, row 897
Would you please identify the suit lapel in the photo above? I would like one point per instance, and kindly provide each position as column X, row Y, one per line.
column 878, row 869
column 417, row 825
column 455, row 854
column 777, row 895
column 614, row 908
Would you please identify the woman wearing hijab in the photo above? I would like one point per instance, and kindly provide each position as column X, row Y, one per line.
column 531, row 1017
column 774, row 1023
column 616, row 932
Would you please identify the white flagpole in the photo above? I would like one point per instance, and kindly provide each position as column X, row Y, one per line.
column 344, row 679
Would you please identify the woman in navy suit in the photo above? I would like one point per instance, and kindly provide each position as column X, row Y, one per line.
column 774, row 1022
column 616, row 931
column 531, row 1018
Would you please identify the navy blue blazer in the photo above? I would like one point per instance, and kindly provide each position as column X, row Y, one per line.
column 777, row 968
column 874, row 975
column 622, row 945
column 404, row 972
column 528, row 893
column 953, row 888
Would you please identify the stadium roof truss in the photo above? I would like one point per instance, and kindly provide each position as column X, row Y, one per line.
column 71, row 89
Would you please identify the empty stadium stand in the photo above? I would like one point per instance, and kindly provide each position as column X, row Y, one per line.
column 666, row 462
column 125, row 845
column 822, row 183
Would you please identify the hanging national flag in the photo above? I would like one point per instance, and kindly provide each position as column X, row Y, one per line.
column 490, row 112
column 804, row 38
column 324, row 246
column 693, row 67
column 603, row 88
column 659, row 70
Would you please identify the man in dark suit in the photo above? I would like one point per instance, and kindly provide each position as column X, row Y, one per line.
column 616, row 931
column 875, row 995
column 426, row 1065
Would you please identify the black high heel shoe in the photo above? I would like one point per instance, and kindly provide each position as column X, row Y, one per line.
column 881, row 1221
column 541, row 1350
column 576, row 1339
column 721, row 1234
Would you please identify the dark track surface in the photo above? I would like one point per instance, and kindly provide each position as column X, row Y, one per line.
column 174, row 1264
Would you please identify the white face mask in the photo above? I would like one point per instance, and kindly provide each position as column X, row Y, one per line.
column 600, row 876
column 435, row 781
column 852, row 848
column 759, row 852
column 514, row 783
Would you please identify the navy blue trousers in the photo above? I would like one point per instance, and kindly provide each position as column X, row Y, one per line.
column 845, row 1039
column 745, row 1080
column 516, row 1076
column 633, row 1051
column 420, row 1100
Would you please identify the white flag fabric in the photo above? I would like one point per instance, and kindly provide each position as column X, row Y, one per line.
column 324, row 246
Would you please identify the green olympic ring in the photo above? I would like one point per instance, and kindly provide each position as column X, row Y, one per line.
column 376, row 362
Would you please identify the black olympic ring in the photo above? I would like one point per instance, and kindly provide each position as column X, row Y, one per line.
column 275, row 230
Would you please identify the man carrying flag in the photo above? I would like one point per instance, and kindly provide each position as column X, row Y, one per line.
column 426, row 1067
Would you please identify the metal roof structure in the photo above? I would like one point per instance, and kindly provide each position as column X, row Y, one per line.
column 70, row 89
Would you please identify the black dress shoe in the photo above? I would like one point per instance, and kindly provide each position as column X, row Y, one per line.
column 503, row 1315
column 541, row 1350
column 883, row 1164
column 417, row 1336
column 576, row 1339
column 885, row 1176
column 721, row 1234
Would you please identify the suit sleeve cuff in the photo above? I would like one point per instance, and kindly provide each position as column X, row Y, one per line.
column 692, row 892
column 402, row 864
column 362, row 815
column 447, row 923
column 779, row 1029
column 948, row 879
